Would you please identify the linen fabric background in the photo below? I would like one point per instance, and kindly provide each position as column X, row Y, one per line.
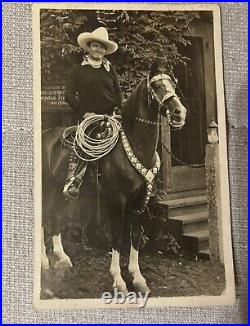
column 18, row 209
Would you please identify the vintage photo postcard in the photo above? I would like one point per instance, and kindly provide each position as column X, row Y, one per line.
column 131, row 179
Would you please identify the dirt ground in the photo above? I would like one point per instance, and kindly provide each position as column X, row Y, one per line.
column 166, row 277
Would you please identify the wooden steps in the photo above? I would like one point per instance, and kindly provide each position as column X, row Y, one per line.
column 188, row 221
column 204, row 253
column 188, row 201
column 191, row 222
column 197, row 241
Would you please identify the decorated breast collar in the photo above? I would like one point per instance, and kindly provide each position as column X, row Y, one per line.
column 147, row 174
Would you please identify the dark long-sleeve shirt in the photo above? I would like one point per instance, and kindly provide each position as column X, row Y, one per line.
column 91, row 89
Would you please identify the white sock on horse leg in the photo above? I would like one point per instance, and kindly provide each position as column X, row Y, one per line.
column 115, row 271
column 58, row 248
column 57, row 244
column 133, row 266
column 115, row 263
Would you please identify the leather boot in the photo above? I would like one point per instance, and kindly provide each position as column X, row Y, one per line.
column 73, row 182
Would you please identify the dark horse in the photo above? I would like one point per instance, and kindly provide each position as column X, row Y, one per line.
column 125, row 188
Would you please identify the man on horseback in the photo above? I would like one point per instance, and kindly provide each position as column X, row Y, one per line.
column 92, row 87
column 128, row 166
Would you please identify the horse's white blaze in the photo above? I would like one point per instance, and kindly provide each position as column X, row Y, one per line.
column 58, row 249
column 133, row 266
column 115, row 271
column 44, row 258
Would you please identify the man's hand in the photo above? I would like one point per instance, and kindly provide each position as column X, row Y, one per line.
column 88, row 114
column 117, row 116
column 117, row 110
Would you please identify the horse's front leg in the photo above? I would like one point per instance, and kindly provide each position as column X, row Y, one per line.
column 117, row 219
column 139, row 281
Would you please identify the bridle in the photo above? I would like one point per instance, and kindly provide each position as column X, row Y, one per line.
column 152, row 95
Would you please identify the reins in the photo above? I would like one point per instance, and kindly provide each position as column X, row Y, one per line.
column 181, row 162
column 152, row 94
column 98, row 148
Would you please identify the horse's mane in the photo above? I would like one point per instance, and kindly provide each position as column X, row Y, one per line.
column 132, row 105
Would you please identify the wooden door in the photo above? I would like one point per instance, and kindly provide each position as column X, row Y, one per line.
column 196, row 88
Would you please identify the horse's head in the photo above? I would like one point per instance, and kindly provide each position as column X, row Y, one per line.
column 162, row 89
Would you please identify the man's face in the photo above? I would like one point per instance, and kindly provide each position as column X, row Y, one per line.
column 96, row 50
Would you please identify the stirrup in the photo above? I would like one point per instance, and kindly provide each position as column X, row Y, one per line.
column 73, row 181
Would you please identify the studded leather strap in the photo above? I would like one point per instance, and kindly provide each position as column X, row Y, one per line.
column 147, row 174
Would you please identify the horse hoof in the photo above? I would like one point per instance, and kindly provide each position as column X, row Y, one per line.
column 141, row 287
column 121, row 289
column 62, row 262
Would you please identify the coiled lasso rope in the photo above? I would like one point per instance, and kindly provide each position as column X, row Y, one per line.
column 95, row 148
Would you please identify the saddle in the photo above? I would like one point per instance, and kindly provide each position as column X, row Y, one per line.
column 100, row 131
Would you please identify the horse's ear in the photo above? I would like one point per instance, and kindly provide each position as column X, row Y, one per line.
column 158, row 66
column 153, row 69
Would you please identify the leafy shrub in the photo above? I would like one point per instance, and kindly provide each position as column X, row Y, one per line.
column 142, row 37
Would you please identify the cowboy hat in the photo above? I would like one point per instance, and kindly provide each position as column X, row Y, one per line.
column 99, row 35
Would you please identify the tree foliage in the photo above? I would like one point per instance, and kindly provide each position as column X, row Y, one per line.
column 142, row 36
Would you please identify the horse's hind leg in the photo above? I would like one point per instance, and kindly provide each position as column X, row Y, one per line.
column 117, row 211
column 139, row 281
column 63, row 259
column 54, row 248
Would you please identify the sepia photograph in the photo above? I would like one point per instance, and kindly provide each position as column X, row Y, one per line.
column 132, row 204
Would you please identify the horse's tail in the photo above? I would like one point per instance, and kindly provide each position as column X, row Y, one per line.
column 53, row 156
column 54, row 169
